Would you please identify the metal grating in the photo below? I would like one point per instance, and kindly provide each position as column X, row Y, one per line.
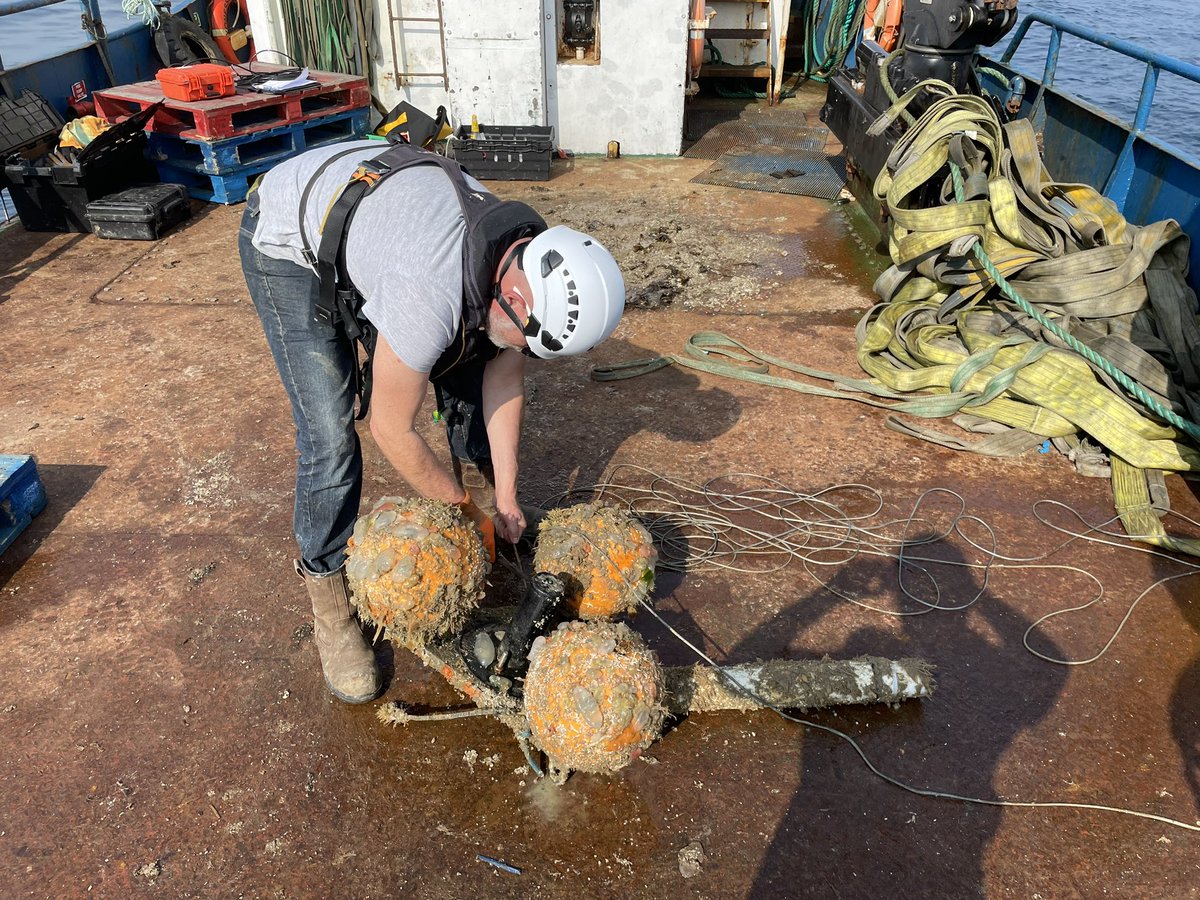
column 698, row 122
column 779, row 170
column 749, row 134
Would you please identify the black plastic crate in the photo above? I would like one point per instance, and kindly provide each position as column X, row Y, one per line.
column 26, row 121
column 142, row 213
column 51, row 197
column 505, row 152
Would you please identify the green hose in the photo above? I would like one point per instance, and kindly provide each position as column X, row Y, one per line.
column 886, row 78
column 834, row 43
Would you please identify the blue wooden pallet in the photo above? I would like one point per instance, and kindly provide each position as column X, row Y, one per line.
column 225, row 189
column 22, row 496
column 223, row 171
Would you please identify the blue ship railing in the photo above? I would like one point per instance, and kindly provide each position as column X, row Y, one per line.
column 1117, row 187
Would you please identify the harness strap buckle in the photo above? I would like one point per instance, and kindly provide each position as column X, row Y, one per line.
column 327, row 315
column 370, row 171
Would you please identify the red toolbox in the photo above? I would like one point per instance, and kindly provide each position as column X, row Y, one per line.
column 206, row 81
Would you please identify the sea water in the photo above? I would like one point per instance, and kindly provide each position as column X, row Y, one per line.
column 1112, row 81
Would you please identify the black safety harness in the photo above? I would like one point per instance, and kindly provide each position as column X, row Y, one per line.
column 492, row 226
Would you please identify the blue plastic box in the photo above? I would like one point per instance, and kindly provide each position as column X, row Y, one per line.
column 22, row 496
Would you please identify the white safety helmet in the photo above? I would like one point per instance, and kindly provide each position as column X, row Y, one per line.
column 578, row 292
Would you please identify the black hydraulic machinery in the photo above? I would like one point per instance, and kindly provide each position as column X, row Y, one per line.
column 940, row 40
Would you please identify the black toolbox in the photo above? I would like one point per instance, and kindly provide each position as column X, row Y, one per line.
column 54, row 197
column 505, row 152
column 143, row 213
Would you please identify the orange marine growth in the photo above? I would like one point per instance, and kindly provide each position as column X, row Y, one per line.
column 604, row 556
column 594, row 696
column 417, row 568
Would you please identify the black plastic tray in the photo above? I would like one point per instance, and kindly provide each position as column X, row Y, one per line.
column 505, row 152
column 26, row 121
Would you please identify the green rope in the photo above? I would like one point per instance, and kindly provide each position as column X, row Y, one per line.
column 820, row 63
column 995, row 73
column 1150, row 402
column 322, row 34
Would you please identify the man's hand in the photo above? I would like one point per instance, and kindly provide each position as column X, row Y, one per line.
column 483, row 524
column 510, row 521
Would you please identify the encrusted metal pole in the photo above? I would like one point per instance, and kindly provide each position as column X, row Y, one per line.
column 797, row 684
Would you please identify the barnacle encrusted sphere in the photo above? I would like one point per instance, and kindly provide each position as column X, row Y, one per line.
column 604, row 556
column 417, row 567
column 594, row 696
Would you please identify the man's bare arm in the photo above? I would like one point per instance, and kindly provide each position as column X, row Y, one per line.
column 397, row 395
column 503, row 411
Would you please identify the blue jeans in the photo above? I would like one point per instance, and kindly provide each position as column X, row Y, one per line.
column 316, row 362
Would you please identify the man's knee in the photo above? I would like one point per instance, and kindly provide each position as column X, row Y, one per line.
column 327, row 438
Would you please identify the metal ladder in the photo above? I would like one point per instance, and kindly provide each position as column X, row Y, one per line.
column 393, row 21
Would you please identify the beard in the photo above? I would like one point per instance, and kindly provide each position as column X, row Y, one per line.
column 499, row 333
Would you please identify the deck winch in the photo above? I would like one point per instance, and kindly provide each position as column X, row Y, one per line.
column 940, row 40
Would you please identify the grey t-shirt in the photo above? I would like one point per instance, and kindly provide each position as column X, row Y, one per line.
column 403, row 250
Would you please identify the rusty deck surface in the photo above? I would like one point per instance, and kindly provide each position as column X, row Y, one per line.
column 166, row 730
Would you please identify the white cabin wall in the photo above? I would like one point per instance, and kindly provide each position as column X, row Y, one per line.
column 502, row 67
column 266, row 24
column 635, row 94
column 494, row 59
column 740, row 15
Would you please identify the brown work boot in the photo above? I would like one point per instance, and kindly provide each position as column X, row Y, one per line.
column 480, row 480
column 347, row 660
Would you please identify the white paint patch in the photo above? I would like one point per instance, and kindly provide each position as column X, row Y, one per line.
column 864, row 677
column 745, row 677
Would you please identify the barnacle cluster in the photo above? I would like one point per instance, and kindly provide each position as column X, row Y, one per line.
column 416, row 567
column 594, row 696
column 605, row 557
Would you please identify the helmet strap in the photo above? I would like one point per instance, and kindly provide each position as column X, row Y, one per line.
column 531, row 326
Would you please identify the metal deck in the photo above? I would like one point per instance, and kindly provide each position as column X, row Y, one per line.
column 166, row 730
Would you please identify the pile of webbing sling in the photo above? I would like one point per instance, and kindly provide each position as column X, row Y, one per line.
column 947, row 332
column 950, row 340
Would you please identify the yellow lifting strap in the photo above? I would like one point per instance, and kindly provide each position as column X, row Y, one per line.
column 946, row 343
column 1118, row 289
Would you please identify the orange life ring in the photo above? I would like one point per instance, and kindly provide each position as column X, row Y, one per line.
column 889, row 35
column 229, row 42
